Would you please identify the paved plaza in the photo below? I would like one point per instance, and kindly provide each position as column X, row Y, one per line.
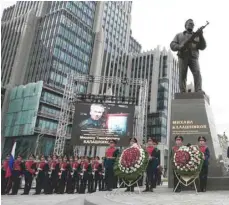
column 161, row 196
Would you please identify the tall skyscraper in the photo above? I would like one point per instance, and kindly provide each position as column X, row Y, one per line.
column 54, row 38
column 45, row 41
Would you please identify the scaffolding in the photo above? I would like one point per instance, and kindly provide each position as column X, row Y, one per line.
column 70, row 98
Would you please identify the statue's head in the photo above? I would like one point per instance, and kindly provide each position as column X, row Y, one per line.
column 189, row 25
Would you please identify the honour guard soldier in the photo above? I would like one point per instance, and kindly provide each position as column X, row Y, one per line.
column 103, row 174
column 16, row 175
column 111, row 154
column 40, row 175
column 204, row 171
column 62, row 175
column 154, row 162
column 4, row 177
column 54, row 173
column 179, row 142
column 70, row 177
column 84, row 175
column 97, row 174
column 30, row 169
column 76, row 172
column 48, row 179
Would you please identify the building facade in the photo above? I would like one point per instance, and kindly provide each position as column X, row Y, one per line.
column 54, row 39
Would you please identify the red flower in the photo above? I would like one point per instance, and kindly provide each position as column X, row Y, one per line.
column 182, row 158
column 130, row 157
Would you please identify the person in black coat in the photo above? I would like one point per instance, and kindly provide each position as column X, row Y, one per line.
column 204, row 171
column 154, row 162
column 110, row 156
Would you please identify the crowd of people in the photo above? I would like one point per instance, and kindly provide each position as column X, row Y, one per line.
column 84, row 174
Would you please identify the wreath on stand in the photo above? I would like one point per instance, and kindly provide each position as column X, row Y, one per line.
column 188, row 160
column 131, row 164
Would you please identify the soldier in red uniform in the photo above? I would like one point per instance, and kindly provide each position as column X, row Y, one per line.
column 62, row 175
column 76, row 171
column 30, row 169
column 179, row 142
column 54, row 169
column 69, row 186
column 154, row 162
column 16, row 175
column 110, row 156
column 103, row 173
column 48, row 179
column 5, row 179
column 204, row 171
column 97, row 174
column 85, row 168
column 40, row 175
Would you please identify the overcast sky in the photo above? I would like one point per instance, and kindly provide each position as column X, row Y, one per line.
column 156, row 22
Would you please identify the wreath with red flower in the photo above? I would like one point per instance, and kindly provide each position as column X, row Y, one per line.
column 188, row 160
column 131, row 164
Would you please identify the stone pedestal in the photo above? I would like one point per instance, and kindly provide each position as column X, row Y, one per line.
column 191, row 117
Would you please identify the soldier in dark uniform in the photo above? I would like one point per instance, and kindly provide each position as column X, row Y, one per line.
column 153, row 164
column 62, row 175
column 85, row 168
column 54, row 173
column 4, row 179
column 40, row 175
column 97, row 173
column 179, row 143
column 69, row 189
column 76, row 172
column 204, row 171
column 30, row 169
column 110, row 156
column 103, row 174
column 16, row 175
column 48, row 179
column 95, row 121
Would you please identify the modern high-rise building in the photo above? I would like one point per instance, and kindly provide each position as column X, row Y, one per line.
column 45, row 41
column 54, row 38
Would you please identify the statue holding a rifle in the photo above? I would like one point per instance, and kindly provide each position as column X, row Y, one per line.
column 188, row 44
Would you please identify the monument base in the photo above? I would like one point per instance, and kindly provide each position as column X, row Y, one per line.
column 191, row 117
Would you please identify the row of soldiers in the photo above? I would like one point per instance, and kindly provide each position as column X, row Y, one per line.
column 63, row 175
column 55, row 175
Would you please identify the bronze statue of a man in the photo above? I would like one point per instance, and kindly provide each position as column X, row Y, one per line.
column 188, row 54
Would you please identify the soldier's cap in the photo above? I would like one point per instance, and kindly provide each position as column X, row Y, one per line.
column 97, row 157
column 187, row 22
column 200, row 138
column 179, row 137
column 134, row 139
column 112, row 141
column 32, row 155
column 154, row 141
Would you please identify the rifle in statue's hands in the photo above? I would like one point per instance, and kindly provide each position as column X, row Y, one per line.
column 184, row 46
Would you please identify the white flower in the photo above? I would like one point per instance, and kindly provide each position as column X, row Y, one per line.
column 178, row 167
column 139, row 161
column 181, row 168
column 134, row 169
column 137, row 166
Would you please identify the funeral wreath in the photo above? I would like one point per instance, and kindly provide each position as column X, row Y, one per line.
column 188, row 160
column 132, row 163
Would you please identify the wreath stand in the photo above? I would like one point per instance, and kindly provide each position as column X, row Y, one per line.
column 129, row 184
column 187, row 180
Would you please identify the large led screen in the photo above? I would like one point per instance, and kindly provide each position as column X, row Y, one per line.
column 96, row 124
